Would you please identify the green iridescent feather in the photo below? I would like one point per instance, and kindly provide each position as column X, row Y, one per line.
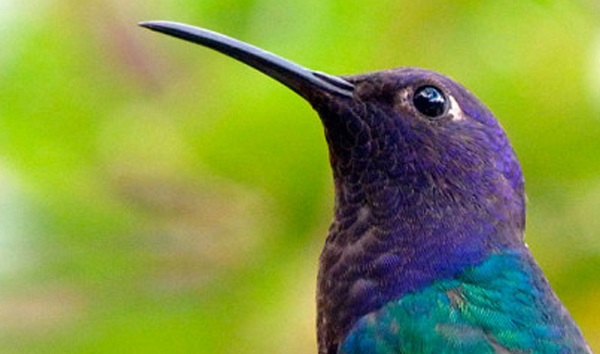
column 501, row 306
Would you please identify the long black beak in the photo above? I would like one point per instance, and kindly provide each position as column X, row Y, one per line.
column 300, row 79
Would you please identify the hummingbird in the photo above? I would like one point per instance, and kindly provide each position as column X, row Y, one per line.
column 426, row 250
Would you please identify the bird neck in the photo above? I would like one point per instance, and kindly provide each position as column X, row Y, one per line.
column 436, row 231
column 389, row 239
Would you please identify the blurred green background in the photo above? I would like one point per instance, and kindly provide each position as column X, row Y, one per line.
column 159, row 197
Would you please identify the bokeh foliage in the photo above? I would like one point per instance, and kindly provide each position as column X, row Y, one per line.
column 158, row 197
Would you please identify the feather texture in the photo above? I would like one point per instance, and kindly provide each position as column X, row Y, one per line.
column 503, row 305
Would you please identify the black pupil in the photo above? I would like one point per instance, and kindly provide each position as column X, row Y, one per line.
column 430, row 101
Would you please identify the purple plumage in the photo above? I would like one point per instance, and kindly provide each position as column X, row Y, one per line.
column 433, row 196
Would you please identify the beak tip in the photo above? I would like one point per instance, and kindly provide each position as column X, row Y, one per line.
column 151, row 25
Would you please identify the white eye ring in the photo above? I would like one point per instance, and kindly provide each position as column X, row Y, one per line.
column 455, row 111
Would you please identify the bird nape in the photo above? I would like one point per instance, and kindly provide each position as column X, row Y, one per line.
column 425, row 253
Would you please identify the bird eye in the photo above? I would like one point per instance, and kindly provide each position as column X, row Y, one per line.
column 430, row 101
